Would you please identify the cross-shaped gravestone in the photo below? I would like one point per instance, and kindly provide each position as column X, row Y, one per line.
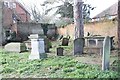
column 106, row 53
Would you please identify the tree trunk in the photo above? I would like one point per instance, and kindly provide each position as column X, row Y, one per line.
column 79, row 29
column 119, row 24
column 78, row 19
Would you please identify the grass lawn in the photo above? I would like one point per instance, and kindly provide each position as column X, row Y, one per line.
column 17, row 65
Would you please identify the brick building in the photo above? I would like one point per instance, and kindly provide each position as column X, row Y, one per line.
column 12, row 12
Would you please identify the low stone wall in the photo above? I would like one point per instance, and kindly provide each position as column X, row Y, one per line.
column 104, row 28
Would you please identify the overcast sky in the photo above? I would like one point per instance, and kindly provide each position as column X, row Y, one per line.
column 99, row 4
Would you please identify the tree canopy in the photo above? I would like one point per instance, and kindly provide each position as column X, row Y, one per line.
column 66, row 8
column 63, row 8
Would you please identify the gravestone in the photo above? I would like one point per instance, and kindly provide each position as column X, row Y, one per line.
column 106, row 53
column 60, row 51
column 65, row 42
column 38, row 47
column 78, row 46
column 15, row 47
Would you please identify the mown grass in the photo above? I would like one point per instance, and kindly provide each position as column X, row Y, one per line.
column 17, row 65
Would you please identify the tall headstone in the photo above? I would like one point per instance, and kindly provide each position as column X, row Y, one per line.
column 38, row 47
column 106, row 53
column 78, row 46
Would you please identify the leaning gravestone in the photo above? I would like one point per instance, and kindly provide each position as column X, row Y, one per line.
column 78, row 46
column 38, row 47
column 15, row 47
column 106, row 53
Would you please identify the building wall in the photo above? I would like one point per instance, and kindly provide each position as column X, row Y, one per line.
column 104, row 28
column 7, row 17
column 20, row 12
column 23, row 14
column 26, row 28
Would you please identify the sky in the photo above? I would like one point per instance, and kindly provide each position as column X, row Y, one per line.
column 99, row 4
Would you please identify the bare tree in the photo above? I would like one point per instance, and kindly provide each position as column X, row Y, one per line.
column 41, row 16
column 78, row 19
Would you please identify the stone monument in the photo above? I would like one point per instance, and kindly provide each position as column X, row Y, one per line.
column 38, row 47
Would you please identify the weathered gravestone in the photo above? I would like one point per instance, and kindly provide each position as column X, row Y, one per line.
column 78, row 46
column 106, row 53
column 38, row 47
column 65, row 42
column 60, row 51
column 15, row 47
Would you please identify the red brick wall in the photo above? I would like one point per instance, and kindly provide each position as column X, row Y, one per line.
column 22, row 13
column 7, row 17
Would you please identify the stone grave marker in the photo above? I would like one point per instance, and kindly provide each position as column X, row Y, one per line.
column 78, row 46
column 60, row 51
column 38, row 47
column 15, row 47
column 106, row 53
column 65, row 42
